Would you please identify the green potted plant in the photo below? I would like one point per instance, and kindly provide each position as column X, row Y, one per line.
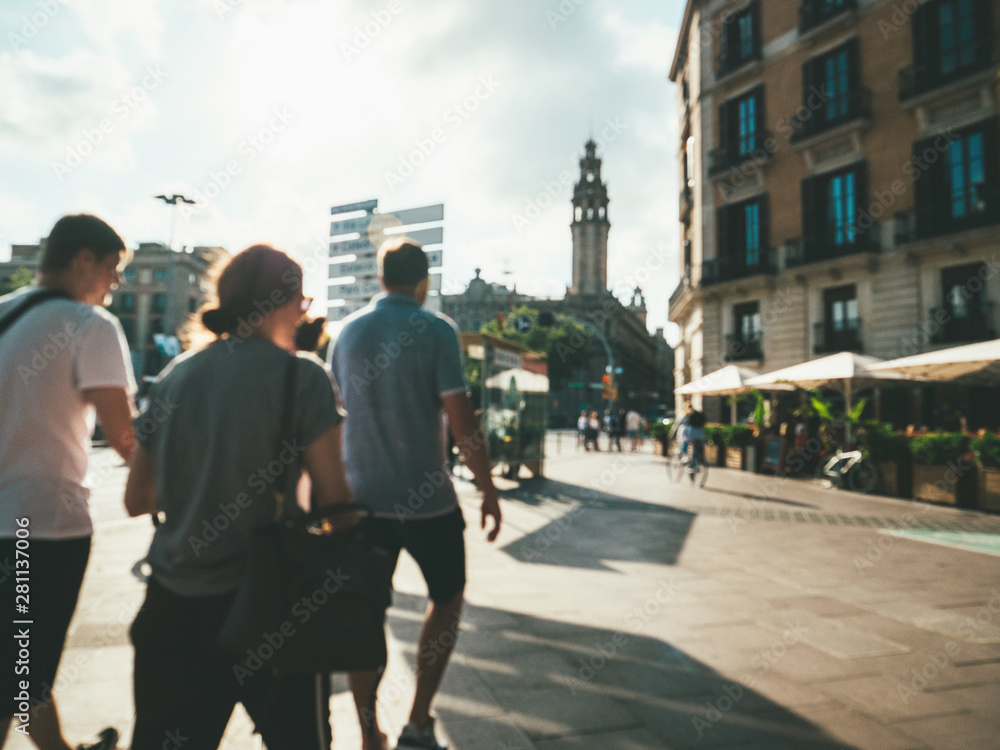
column 890, row 452
column 987, row 452
column 943, row 469
column 739, row 442
column 715, row 444
column 660, row 432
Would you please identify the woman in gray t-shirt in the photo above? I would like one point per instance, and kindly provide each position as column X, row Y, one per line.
column 210, row 451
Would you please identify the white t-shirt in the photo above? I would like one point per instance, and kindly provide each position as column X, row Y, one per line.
column 632, row 420
column 52, row 353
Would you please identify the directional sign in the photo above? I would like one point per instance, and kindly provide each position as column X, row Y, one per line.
column 365, row 289
column 366, row 265
column 339, row 313
column 349, row 207
column 359, row 246
column 359, row 224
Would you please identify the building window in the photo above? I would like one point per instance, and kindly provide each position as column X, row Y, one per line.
column 742, row 242
column 128, row 326
column 956, row 35
column 967, row 175
column 966, row 314
column 831, row 91
column 155, row 325
column 741, row 131
column 814, row 12
column 747, row 118
column 842, row 209
column 126, row 302
column 840, row 329
column 130, row 274
column 832, row 214
column 160, row 274
column 744, row 343
column 961, row 189
column 740, row 38
column 159, row 303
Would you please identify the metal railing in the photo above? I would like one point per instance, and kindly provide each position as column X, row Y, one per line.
column 814, row 12
column 828, row 341
column 743, row 349
column 859, row 107
column 919, row 78
column 730, row 267
column 728, row 155
column 977, row 325
column 812, row 249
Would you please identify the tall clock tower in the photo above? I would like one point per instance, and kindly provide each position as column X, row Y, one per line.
column 590, row 227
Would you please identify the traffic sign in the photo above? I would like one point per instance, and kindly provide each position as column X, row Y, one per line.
column 523, row 323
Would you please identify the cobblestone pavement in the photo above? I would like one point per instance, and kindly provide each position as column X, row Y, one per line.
column 619, row 611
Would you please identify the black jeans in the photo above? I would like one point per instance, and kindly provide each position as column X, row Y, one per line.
column 186, row 687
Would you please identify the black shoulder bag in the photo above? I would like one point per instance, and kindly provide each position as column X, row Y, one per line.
column 311, row 597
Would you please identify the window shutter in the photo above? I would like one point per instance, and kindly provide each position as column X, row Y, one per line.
column 765, row 228
column 991, row 159
column 863, row 220
column 853, row 46
column 812, row 225
column 930, row 188
column 724, row 128
column 755, row 21
column 722, row 250
column 924, row 43
column 982, row 30
column 761, row 121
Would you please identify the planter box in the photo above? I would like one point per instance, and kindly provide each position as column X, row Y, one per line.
column 895, row 479
column 734, row 458
column 712, row 454
column 953, row 483
column 989, row 488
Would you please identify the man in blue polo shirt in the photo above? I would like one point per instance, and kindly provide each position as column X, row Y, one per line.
column 398, row 367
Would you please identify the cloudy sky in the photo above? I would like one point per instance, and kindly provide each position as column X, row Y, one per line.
column 271, row 111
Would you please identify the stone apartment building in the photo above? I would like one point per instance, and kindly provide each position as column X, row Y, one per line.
column 840, row 190
column 159, row 291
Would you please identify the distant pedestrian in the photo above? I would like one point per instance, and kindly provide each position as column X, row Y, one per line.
column 398, row 367
column 581, row 429
column 208, row 465
column 633, row 429
column 617, row 429
column 592, row 431
column 62, row 356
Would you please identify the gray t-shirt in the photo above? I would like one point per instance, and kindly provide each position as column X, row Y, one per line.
column 213, row 426
column 393, row 361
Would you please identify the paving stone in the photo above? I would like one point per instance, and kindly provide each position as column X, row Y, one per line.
column 954, row 733
column 554, row 712
column 635, row 739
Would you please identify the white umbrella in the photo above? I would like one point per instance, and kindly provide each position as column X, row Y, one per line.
column 846, row 372
column 972, row 363
column 731, row 380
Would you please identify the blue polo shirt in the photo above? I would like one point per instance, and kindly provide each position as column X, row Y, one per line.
column 392, row 362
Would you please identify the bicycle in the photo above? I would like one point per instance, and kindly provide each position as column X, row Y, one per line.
column 849, row 469
column 695, row 467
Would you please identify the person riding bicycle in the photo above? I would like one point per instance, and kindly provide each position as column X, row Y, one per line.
column 693, row 424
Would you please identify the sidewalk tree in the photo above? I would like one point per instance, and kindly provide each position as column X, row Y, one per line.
column 565, row 342
column 22, row 276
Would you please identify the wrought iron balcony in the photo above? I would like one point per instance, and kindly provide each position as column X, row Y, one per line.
column 818, row 121
column 936, row 219
column 923, row 77
column 974, row 326
column 743, row 349
column 731, row 267
column 814, row 12
column 828, row 341
column 729, row 63
column 811, row 249
column 728, row 156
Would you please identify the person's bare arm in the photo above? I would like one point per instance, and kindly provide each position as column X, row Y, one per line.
column 472, row 442
column 114, row 414
column 140, row 493
column 322, row 460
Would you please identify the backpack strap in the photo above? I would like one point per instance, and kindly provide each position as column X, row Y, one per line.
column 34, row 299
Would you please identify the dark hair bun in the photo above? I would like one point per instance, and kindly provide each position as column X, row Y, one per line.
column 215, row 321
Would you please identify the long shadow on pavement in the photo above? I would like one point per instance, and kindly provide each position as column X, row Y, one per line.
column 519, row 682
column 581, row 537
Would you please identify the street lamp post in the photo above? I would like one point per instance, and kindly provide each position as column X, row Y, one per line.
column 168, row 312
